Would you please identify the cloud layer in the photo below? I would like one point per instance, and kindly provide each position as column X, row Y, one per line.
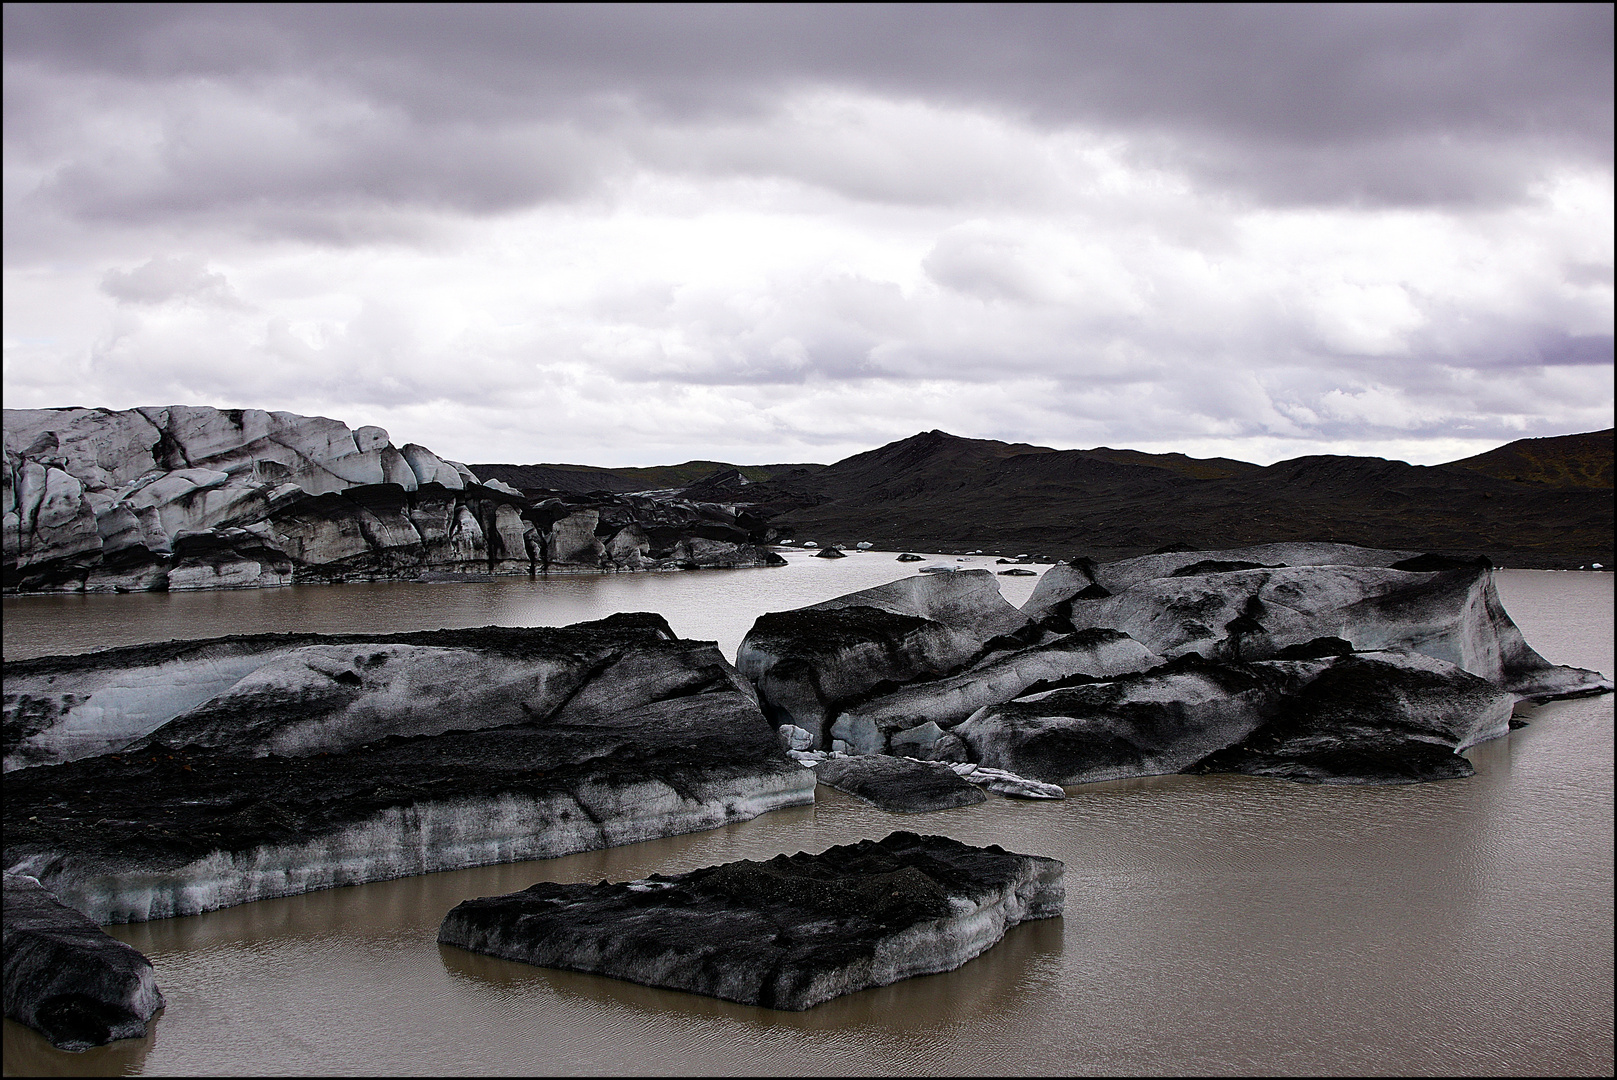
column 629, row 235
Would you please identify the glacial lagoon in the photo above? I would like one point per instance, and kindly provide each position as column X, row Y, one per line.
column 1213, row 924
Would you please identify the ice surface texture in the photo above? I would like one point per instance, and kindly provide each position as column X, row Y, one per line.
column 181, row 498
column 1314, row 662
column 789, row 933
column 65, row 978
column 345, row 760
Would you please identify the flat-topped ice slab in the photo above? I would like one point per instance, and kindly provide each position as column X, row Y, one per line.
column 789, row 933
column 336, row 761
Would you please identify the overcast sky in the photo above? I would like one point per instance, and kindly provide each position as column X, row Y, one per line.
column 640, row 235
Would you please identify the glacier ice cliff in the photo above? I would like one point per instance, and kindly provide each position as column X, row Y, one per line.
column 183, row 497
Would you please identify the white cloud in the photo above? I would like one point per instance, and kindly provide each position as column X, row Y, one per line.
column 812, row 272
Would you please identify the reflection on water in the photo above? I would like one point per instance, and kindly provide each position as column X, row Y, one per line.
column 1213, row 924
column 26, row 1054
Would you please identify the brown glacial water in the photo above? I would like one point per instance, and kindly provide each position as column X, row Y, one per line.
column 1214, row 924
column 705, row 605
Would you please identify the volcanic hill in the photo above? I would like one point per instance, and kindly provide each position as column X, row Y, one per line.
column 1534, row 502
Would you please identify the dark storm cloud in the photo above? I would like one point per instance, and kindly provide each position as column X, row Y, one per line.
column 484, row 108
column 1303, row 73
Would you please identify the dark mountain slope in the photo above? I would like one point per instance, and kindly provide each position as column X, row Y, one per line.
column 579, row 479
column 1563, row 461
column 569, row 479
column 1537, row 502
column 933, row 490
column 1194, row 468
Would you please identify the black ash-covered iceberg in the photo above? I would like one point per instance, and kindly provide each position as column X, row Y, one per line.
column 1314, row 662
column 1254, row 603
column 788, row 933
column 335, row 761
column 812, row 664
column 1374, row 717
column 68, row 980
column 898, row 784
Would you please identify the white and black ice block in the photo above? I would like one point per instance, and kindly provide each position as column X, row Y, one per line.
column 344, row 759
column 66, row 978
column 899, row 785
column 789, row 933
